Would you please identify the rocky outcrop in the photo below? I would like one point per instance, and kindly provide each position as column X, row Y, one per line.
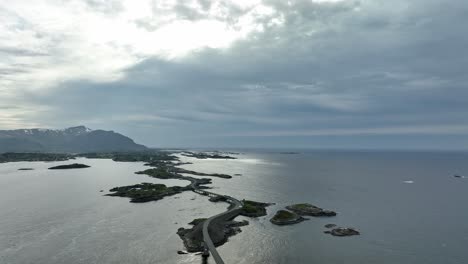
column 283, row 217
column 205, row 155
column 69, row 166
column 341, row 232
column 219, row 231
column 253, row 209
column 145, row 192
column 310, row 210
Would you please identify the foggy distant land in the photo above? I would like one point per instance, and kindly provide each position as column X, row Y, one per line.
column 78, row 139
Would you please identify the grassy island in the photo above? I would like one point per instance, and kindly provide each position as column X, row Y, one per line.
column 145, row 192
column 308, row 209
column 203, row 155
column 69, row 166
column 219, row 175
column 160, row 173
column 253, row 209
column 283, row 217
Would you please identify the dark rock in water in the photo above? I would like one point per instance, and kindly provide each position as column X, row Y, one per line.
column 311, row 210
column 25, row 169
column 330, row 225
column 283, row 217
column 341, row 232
column 69, row 166
column 180, row 252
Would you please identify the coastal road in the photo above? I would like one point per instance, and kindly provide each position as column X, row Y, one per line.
column 206, row 235
column 235, row 205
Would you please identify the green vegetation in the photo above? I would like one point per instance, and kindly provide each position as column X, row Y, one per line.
column 308, row 209
column 145, row 192
column 160, row 173
column 283, row 217
column 253, row 209
column 303, row 206
column 69, row 166
column 224, row 176
column 145, row 156
column 202, row 155
column 13, row 157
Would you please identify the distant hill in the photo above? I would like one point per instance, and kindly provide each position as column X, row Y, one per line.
column 78, row 139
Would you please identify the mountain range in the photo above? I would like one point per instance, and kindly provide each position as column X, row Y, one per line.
column 78, row 139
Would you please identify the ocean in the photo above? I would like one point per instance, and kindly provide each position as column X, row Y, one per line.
column 408, row 206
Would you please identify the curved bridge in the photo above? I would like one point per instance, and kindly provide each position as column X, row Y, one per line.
column 233, row 211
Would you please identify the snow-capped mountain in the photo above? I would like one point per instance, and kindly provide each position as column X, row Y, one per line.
column 74, row 139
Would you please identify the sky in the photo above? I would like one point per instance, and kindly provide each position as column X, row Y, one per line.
column 361, row 74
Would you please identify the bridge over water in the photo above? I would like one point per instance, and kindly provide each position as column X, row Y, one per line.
column 233, row 211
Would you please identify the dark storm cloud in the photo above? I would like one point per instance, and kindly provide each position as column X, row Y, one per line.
column 380, row 68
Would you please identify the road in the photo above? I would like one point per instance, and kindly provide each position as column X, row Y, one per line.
column 235, row 206
column 233, row 211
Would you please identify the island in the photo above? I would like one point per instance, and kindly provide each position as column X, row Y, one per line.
column 145, row 192
column 310, row 210
column 342, row 232
column 219, row 231
column 204, row 155
column 283, row 217
column 14, row 157
column 219, row 175
column 70, row 166
column 253, row 209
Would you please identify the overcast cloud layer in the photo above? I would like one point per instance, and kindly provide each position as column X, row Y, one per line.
column 271, row 73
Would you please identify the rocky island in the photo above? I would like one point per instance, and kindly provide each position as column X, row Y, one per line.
column 219, row 175
column 310, row 210
column 145, row 192
column 219, row 231
column 341, row 232
column 69, row 166
column 283, row 217
column 253, row 209
column 204, row 155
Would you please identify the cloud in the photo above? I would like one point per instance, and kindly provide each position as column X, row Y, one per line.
column 171, row 72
